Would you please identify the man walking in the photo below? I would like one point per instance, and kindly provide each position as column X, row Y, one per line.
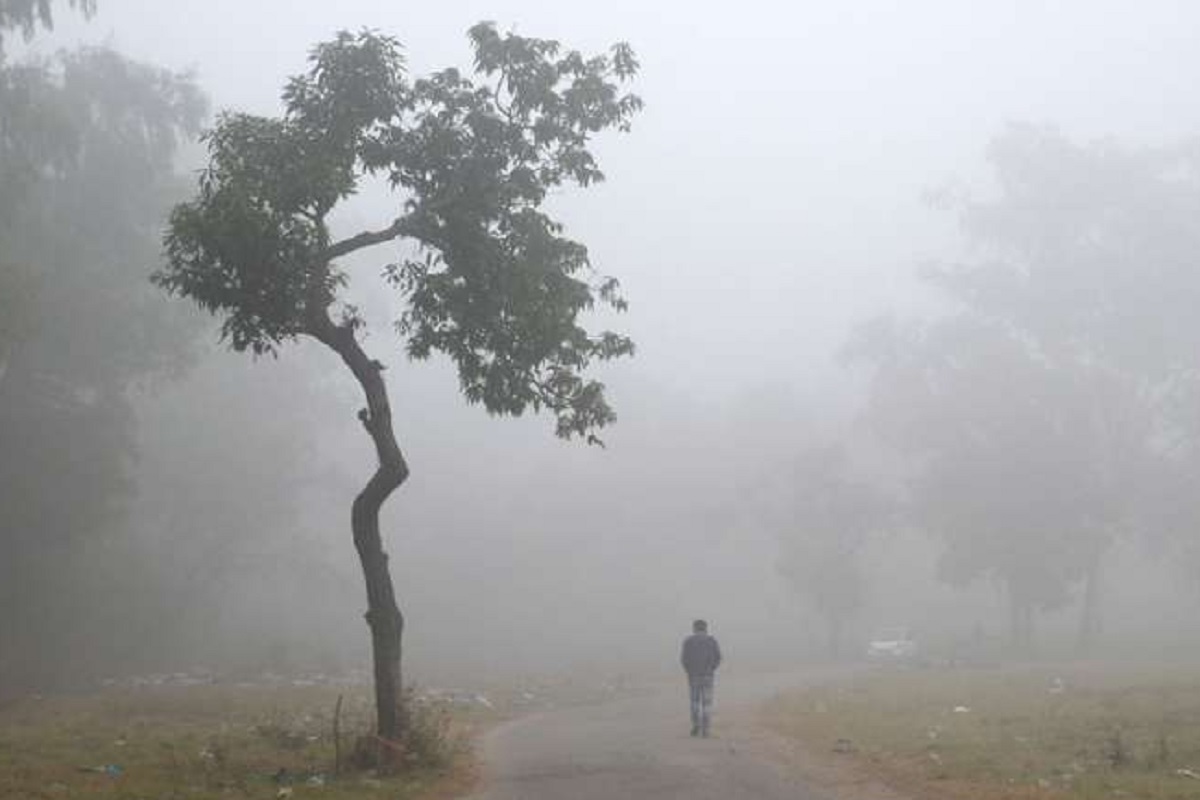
column 700, row 658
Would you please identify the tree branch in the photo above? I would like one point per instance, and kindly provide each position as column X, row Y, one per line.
column 362, row 240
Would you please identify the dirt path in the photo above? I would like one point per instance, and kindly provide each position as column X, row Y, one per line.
column 640, row 748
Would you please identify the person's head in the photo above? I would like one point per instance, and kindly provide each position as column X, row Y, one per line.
column 699, row 626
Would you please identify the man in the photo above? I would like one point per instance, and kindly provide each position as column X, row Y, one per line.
column 700, row 658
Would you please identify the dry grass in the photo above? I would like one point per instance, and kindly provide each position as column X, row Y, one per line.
column 209, row 742
column 1081, row 733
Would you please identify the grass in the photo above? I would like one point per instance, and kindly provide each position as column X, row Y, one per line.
column 1082, row 733
column 215, row 742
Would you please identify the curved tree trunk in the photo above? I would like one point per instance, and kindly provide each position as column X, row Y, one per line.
column 383, row 615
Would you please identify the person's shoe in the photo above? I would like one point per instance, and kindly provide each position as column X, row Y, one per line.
column 695, row 730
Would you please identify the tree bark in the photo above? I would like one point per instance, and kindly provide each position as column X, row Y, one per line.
column 383, row 615
column 1089, row 620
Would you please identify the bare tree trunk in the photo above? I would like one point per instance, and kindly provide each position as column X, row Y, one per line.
column 383, row 615
column 1089, row 620
column 1014, row 621
column 1021, row 615
column 835, row 637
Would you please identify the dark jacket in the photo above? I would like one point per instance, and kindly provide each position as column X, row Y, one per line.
column 701, row 655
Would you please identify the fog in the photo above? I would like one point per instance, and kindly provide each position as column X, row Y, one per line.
column 811, row 220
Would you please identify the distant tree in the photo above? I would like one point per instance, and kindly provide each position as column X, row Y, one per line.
column 1087, row 249
column 1090, row 251
column 29, row 15
column 1025, row 465
column 487, row 277
column 830, row 519
column 87, row 147
column 1046, row 405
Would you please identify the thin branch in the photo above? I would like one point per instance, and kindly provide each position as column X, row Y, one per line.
column 362, row 240
column 506, row 110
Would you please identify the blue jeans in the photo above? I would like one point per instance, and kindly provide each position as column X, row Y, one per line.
column 701, row 690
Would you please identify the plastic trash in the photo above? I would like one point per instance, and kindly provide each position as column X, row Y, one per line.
column 111, row 770
column 843, row 746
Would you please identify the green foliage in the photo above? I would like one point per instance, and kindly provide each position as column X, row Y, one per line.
column 28, row 15
column 494, row 283
column 248, row 245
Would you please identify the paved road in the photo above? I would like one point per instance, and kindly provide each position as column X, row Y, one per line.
column 639, row 748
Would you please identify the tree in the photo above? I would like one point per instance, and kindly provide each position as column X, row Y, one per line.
column 488, row 279
column 1089, row 249
column 1023, row 462
column 1092, row 252
column 832, row 518
column 87, row 147
column 1062, row 367
column 29, row 15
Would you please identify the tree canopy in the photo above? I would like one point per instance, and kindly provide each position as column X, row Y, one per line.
column 490, row 280
column 87, row 146
column 29, row 15
column 1034, row 407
